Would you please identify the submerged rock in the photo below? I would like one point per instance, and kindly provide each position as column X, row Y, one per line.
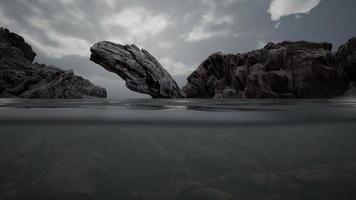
column 141, row 71
column 285, row 70
column 20, row 77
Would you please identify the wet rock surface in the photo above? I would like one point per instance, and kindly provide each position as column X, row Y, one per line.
column 284, row 70
column 141, row 71
column 20, row 77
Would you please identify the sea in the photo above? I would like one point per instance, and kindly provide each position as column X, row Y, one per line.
column 177, row 149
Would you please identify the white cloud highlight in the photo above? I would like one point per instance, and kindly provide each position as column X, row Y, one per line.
column 280, row 8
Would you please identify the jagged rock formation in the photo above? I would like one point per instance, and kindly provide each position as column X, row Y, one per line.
column 284, row 70
column 346, row 56
column 141, row 71
column 20, row 77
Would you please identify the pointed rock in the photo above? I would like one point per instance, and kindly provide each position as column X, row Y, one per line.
column 141, row 71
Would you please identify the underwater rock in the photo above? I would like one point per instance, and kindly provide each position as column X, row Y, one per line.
column 20, row 77
column 141, row 71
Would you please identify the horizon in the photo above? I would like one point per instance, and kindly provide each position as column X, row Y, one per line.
column 180, row 35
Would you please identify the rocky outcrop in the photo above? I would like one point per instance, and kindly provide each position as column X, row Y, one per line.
column 346, row 56
column 20, row 77
column 141, row 71
column 284, row 70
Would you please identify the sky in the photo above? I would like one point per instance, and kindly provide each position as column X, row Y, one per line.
column 180, row 34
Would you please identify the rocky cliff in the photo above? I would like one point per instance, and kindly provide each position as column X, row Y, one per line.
column 283, row 70
column 20, row 77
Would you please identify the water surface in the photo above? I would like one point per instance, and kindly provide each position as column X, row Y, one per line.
column 177, row 149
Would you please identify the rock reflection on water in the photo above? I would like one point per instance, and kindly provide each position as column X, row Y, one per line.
column 180, row 162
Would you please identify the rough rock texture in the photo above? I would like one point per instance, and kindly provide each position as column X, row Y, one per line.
column 346, row 55
column 284, row 70
column 141, row 71
column 20, row 77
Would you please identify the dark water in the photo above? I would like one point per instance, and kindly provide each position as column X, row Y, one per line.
column 178, row 149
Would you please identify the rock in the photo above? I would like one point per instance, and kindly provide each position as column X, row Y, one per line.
column 284, row 70
column 14, row 41
column 350, row 93
column 346, row 55
column 256, row 87
column 211, row 86
column 239, row 77
column 20, row 77
column 141, row 71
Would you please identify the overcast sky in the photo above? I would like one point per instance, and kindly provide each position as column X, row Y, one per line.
column 180, row 34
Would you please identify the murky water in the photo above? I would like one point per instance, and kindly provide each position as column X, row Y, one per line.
column 177, row 149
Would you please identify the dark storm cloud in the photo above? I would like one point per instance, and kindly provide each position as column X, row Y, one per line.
column 179, row 33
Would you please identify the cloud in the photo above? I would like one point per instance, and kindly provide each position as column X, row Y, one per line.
column 260, row 44
column 280, row 8
column 175, row 68
column 53, row 44
column 138, row 23
column 214, row 3
column 5, row 21
column 68, row 45
column 201, row 33
column 203, row 30
column 165, row 45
